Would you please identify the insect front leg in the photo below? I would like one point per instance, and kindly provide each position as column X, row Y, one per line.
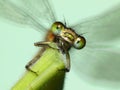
column 67, row 65
column 67, row 61
column 46, row 44
column 39, row 54
column 30, row 63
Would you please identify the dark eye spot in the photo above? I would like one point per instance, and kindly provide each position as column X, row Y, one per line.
column 77, row 41
column 57, row 27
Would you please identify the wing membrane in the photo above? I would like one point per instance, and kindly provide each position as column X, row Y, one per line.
column 35, row 13
column 100, row 59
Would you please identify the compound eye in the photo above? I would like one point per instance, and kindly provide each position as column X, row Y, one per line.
column 57, row 27
column 79, row 42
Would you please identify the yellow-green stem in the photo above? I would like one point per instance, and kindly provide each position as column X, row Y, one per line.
column 50, row 73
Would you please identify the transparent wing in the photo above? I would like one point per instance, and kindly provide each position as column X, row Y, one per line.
column 100, row 59
column 35, row 13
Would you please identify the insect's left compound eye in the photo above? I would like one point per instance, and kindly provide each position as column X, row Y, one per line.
column 57, row 27
column 79, row 42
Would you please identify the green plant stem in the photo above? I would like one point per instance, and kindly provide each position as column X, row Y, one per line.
column 50, row 73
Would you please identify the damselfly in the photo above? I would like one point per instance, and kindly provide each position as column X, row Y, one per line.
column 99, row 32
column 59, row 33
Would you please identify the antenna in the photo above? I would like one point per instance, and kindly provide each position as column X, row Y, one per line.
column 64, row 21
column 83, row 33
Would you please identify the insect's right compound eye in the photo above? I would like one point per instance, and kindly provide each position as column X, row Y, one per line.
column 57, row 27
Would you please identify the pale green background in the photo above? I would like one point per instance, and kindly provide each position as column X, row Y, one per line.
column 16, row 47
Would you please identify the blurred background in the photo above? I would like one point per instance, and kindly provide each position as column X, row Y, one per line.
column 17, row 44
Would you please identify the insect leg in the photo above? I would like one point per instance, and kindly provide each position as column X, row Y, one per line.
column 67, row 61
column 46, row 44
column 30, row 63
column 39, row 54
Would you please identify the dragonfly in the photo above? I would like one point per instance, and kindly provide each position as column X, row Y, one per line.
column 100, row 42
